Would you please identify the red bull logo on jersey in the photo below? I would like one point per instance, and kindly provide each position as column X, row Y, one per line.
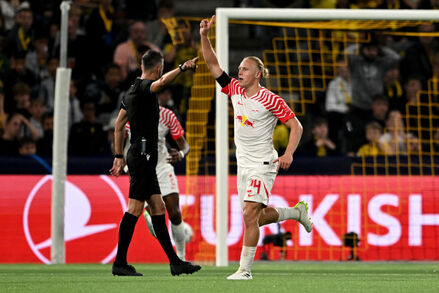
column 244, row 120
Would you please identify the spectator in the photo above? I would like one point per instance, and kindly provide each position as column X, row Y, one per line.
column 106, row 93
column 127, row 55
column 176, row 55
column 45, row 144
column 9, row 140
column 373, row 147
column 37, row 56
column 27, row 146
column 78, row 55
column 75, row 114
column 36, row 110
column 281, row 135
column 320, row 145
column 88, row 137
column 100, row 35
column 21, row 35
column 393, row 89
column 7, row 8
column 417, row 58
column 157, row 31
column 338, row 97
column 47, row 86
column 17, row 73
column 395, row 139
column 21, row 95
column 380, row 108
column 367, row 72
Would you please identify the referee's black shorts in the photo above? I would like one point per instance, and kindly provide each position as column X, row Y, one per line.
column 143, row 176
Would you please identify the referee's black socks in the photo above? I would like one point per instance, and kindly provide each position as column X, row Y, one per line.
column 161, row 231
column 126, row 230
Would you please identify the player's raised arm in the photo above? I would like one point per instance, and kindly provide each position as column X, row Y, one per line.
column 208, row 52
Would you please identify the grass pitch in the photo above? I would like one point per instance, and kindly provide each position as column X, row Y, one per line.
column 273, row 277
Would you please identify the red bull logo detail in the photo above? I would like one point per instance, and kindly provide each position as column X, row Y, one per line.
column 244, row 120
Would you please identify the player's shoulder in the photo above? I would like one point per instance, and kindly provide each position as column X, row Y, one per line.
column 266, row 95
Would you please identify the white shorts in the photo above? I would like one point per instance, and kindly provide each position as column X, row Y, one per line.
column 254, row 184
column 167, row 180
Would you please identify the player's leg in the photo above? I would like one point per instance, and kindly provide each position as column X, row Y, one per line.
column 147, row 216
column 126, row 230
column 158, row 220
column 278, row 214
column 253, row 196
column 177, row 225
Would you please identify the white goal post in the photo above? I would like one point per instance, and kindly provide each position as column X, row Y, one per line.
column 223, row 15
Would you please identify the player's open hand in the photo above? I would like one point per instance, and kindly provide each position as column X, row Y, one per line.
column 284, row 162
column 190, row 64
column 205, row 26
column 117, row 168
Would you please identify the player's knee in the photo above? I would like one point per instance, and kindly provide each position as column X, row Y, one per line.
column 135, row 211
column 250, row 217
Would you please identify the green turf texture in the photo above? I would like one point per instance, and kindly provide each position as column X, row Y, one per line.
column 270, row 277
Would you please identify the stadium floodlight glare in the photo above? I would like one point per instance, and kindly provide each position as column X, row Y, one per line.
column 223, row 15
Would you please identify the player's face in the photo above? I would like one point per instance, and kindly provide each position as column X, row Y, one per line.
column 248, row 73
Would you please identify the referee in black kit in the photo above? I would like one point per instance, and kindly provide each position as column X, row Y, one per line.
column 140, row 107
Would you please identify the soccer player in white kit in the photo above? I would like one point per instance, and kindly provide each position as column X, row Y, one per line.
column 256, row 111
column 168, row 123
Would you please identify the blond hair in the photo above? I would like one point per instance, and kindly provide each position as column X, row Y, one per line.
column 260, row 65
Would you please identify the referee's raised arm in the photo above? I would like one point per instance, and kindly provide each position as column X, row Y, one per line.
column 208, row 52
column 169, row 76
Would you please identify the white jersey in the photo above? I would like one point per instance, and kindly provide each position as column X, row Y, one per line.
column 254, row 120
column 168, row 122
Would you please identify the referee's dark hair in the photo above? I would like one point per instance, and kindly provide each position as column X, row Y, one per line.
column 151, row 59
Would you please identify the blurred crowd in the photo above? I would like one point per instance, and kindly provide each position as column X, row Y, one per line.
column 106, row 38
column 377, row 104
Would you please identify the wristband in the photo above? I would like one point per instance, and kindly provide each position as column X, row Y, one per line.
column 180, row 66
column 118, row 156
column 181, row 154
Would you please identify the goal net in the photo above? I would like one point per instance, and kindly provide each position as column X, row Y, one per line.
column 384, row 206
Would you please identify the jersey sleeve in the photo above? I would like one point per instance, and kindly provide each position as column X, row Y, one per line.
column 171, row 122
column 232, row 88
column 278, row 107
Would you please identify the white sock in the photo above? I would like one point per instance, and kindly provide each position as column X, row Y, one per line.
column 178, row 236
column 287, row 214
column 247, row 257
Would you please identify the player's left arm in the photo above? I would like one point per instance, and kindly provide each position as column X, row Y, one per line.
column 169, row 76
column 178, row 155
column 296, row 131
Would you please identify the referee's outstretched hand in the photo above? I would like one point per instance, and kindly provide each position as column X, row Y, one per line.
column 284, row 162
column 190, row 64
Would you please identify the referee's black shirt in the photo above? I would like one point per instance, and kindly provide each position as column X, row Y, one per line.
column 143, row 113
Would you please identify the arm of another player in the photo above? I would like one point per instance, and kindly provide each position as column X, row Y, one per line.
column 296, row 130
column 175, row 155
column 169, row 76
column 208, row 52
column 119, row 133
